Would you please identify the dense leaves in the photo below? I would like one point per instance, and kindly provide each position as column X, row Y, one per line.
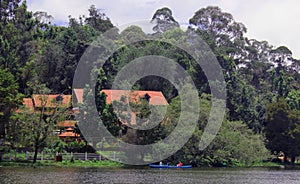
column 10, row 99
column 263, row 81
column 282, row 129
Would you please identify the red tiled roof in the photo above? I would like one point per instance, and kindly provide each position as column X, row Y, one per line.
column 66, row 123
column 70, row 129
column 51, row 100
column 156, row 97
column 69, row 134
column 27, row 102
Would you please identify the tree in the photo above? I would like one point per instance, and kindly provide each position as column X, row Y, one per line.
column 234, row 144
column 293, row 99
column 43, row 17
column 282, row 129
column 218, row 24
column 7, row 9
column 280, row 55
column 98, row 20
column 36, row 125
column 9, row 99
column 132, row 33
column 88, row 121
column 164, row 20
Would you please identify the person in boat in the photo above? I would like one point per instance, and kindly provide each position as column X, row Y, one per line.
column 160, row 163
column 180, row 164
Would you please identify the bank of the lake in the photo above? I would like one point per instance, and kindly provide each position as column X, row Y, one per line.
column 113, row 164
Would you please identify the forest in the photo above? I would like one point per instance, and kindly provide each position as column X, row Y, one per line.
column 262, row 81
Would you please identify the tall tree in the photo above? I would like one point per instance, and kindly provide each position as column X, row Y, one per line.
column 164, row 20
column 9, row 99
column 98, row 20
column 36, row 125
column 7, row 9
column 217, row 23
column 282, row 129
column 132, row 34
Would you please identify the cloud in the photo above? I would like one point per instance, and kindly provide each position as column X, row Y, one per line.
column 60, row 9
column 273, row 20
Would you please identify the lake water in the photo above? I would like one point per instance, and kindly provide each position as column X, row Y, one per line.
column 51, row 175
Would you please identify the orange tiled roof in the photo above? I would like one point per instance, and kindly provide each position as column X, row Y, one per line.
column 69, row 134
column 51, row 100
column 156, row 97
column 69, row 129
column 28, row 103
column 66, row 123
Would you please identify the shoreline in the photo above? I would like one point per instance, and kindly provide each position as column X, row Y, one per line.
column 48, row 163
column 113, row 164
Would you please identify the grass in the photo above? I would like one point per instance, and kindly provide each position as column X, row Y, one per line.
column 266, row 164
column 102, row 164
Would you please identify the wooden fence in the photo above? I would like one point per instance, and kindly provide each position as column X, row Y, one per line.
column 24, row 156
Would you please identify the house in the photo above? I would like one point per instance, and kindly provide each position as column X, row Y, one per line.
column 69, row 136
column 155, row 98
column 28, row 103
column 49, row 103
column 65, row 125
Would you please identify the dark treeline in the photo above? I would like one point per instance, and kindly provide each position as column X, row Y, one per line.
column 263, row 81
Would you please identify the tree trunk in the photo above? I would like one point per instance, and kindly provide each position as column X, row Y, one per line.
column 285, row 159
column 293, row 159
column 36, row 148
column 3, row 121
column 2, row 130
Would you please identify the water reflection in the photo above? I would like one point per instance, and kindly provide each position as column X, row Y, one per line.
column 43, row 175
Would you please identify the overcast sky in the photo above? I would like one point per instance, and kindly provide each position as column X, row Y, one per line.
column 277, row 21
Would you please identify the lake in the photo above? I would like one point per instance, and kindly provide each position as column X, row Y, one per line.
column 43, row 175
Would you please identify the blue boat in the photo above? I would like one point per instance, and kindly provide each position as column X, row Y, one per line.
column 170, row 166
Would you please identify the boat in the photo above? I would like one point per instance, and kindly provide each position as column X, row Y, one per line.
column 170, row 166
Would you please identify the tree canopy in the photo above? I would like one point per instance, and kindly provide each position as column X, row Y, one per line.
column 262, row 80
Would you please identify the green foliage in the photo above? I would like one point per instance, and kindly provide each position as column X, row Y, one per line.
column 59, row 146
column 34, row 53
column 31, row 128
column 98, row 20
column 235, row 143
column 282, row 129
column 293, row 99
column 10, row 99
column 88, row 120
column 132, row 34
column 164, row 20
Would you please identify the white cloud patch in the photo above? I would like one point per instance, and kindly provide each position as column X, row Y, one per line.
column 273, row 20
